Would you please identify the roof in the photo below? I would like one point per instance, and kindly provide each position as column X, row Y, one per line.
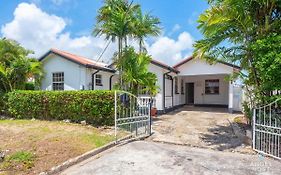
column 191, row 57
column 79, row 60
column 165, row 66
column 158, row 63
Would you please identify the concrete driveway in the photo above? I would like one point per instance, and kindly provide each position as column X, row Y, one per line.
column 195, row 141
column 143, row 157
column 199, row 127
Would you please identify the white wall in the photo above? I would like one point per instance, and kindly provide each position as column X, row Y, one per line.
column 105, row 79
column 159, row 73
column 201, row 67
column 74, row 75
column 199, row 89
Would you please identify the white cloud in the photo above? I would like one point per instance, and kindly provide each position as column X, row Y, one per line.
column 169, row 50
column 40, row 31
column 176, row 28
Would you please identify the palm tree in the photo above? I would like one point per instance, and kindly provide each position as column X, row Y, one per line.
column 145, row 25
column 16, row 67
column 136, row 74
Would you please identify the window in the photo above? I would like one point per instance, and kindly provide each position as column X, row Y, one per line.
column 176, row 85
column 58, row 81
column 98, row 80
column 212, row 86
column 182, row 88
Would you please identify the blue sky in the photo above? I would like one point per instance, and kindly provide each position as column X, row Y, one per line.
column 67, row 24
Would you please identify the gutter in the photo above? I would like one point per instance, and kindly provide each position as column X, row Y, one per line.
column 93, row 78
column 164, row 89
column 110, row 81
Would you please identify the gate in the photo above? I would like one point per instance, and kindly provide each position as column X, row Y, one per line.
column 132, row 115
column 267, row 129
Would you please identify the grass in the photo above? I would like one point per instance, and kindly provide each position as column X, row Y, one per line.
column 36, row 146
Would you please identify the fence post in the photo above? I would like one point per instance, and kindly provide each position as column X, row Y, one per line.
column 254, row 128
column 150, row 118
column 115, row 115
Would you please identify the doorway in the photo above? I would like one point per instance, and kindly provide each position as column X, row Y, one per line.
column 189, row 91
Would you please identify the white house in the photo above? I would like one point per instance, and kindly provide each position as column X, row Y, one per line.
column 192, row 81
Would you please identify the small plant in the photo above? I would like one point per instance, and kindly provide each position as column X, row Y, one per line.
column 247, row 112
column 20, row 159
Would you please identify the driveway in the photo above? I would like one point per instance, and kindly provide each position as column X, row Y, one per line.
column 199, row 127
column 143, row 157
column 195, row 141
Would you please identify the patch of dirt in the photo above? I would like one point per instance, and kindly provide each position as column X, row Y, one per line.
column 199, row 127
column 52, row 142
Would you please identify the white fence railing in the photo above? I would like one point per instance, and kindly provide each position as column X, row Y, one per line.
column 267, row 129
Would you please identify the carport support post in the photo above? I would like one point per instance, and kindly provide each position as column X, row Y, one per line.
column 230, row 98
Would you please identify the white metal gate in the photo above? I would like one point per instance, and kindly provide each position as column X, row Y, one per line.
column 267, row 129
column 132, row 115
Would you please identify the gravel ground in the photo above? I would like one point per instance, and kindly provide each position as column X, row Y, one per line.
column 199, row 127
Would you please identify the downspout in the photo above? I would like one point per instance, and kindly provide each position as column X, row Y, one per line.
column 93, row 78
column 164, row 89
column 110, row 81
column 172, row 92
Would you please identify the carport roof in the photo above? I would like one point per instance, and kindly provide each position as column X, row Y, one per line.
column 219, row 61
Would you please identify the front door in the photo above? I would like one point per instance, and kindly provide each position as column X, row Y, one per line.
column 189, row 88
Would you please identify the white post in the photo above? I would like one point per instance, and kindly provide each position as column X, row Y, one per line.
column 230, row 98
column 254, row 128
column 115, row 114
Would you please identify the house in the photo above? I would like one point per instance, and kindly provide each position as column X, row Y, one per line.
column 192, row 81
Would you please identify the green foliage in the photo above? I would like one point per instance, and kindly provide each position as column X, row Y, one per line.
column 29, row 86
column 122, row 20
column 3, row 104
column 16, row 67
column 237, row 31
column 24, row 159
column 247, row 111
column 96, row 107
column 267, row 62
column 136, row 76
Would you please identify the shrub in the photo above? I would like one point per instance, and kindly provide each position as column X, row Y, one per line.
column 96, row 107
column 3, row 104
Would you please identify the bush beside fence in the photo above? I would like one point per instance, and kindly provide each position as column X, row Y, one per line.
column 95, row 107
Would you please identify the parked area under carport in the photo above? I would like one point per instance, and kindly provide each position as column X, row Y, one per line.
column 203, row 127
column 190, row 140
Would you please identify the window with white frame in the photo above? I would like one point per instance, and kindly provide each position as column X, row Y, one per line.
column 98, row 80
column 58, row 81
column 212, row 87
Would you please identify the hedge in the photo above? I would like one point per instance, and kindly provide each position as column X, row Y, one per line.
column 94, row 107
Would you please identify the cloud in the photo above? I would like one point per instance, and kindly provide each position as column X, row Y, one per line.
column 169, row 50
column 39, row 31
column 176, row 28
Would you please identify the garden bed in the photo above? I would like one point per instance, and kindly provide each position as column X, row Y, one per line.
column 33, row 146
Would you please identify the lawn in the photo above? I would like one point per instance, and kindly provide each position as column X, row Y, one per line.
column 33, row 146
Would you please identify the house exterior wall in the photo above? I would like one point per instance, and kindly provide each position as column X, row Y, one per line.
column 105, row 79
column 74, row 74
column 199, row 90
column 201, row 67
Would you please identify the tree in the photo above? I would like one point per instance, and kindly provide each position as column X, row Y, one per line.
column 230, row 27
column 136, row 76
column 145, row 25
column 16, row 68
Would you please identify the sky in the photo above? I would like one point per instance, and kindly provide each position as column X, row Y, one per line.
column 39, row 25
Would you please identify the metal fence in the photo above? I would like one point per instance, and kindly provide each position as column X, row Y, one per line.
column 267, row 129
column 132, row 115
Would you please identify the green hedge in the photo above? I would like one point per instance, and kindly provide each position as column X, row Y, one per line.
column 3, row 104
column 96, row 107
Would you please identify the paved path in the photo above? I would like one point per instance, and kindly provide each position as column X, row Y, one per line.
column 200, row 127
column 151, row 158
